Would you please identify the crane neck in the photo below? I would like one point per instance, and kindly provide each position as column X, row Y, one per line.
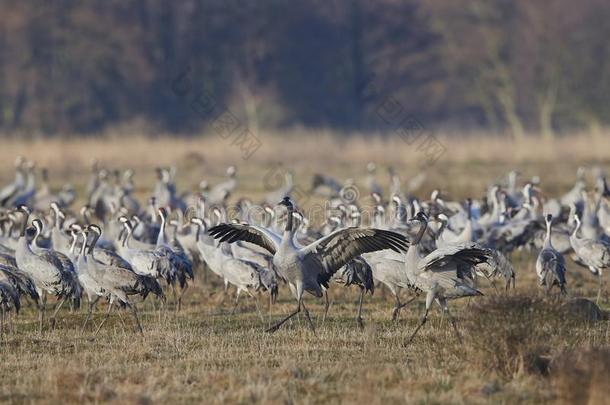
column 92, row 245
column 86, row 217
column 197, row 231
column 575, row 232
column 128, row 231
column 420, row 233
column 84, row 246
column 547, row 239
column 201, row 208
column 441, row 228
column 153, row 211
column 24, row 225
column 495, row 212
column 289, row 220
column 36, row 235
column 289, row 229
column 58, row 220
column 73, row 244
column 467, row 233
column 23, row 245
column 161, row 236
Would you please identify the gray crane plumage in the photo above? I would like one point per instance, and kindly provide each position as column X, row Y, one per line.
column 50, row 273
column 550, row 264
column 592, row 253
column 22, row 284
column 310, row 268
column 9, row 301
column 446, row 273
column 119, row 283
column 389, row 269
column 92, row 289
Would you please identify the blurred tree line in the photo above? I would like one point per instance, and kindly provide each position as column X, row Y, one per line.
column 515, row 66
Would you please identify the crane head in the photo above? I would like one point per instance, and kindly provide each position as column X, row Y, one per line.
column 95, row 229
column 286, row 202
column 24, row 209
column 420, row 216
column 37, row 223
column 442, row 217
column 57, row 210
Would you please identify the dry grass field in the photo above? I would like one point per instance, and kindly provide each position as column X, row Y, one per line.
column 518, row 347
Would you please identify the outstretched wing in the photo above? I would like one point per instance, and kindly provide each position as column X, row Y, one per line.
column 338, row 248
column 249, row 233
column 464, row 253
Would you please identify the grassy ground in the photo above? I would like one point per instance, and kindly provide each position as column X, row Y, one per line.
column 204, row 354
column 517, row 348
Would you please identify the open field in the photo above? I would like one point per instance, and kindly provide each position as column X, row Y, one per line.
column 518, row 347
column 203, row 354
column 467, row 166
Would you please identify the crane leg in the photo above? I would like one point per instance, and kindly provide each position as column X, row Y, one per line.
column 453, row 323
column 121, row 320
column 359, row 317
column 11, row 325
column 311, row 326
column 55, row 311
column 493, row 284
column 175, row 296
column 104, row 320
column 182, row 291
column 599, row 288
column 275, row 327
column 396, row 308
column 160, row 309
column 326, row 306
column 383, row 290
column 134, row 311
column 224, row 295
column 270, row 303
column 1, row 322
column 236, row 302
column 423, row 321
column 400, row 305
column 258, row 309
column 89, row 313
column 41, row 310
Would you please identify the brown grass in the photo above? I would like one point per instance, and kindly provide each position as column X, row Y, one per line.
column 468, row 165
column 126, row 149
column 581, row 376
column 204, row 355
column 521, row 333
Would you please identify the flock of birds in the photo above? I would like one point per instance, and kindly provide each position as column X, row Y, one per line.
column 116, row 249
